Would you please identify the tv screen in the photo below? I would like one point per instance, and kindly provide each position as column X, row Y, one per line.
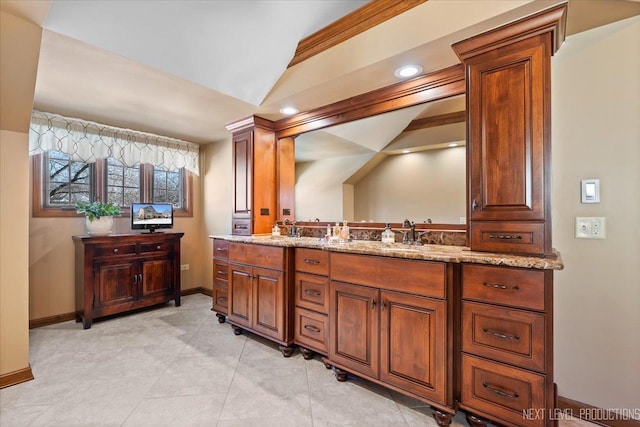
column 151, row 216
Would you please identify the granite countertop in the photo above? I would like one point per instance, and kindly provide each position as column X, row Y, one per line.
column 456, row 254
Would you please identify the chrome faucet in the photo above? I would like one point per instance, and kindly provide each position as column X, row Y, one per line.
column 409, row 237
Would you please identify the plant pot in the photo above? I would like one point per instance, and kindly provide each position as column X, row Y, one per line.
column 100, row 226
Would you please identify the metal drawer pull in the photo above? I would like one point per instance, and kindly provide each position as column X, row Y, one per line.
column 311, row 261
column 115, row 251
column 505, row 236
column 312, row 329
column 500, row 335
column 312, row 292
column 135, row 278
column 382, row 304
column 222, row 272
column 373, row 304
column 500, row 392
column 140, row 278
column 222, row 299
column 222, row 249
column 499, row 286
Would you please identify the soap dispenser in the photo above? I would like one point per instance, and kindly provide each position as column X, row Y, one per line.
column 387, row 235
column 275, row 231
column 344, row 232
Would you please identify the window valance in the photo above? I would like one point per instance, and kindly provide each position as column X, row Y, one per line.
column 88, row 141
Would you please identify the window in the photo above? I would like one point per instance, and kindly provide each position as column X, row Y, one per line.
column 59, row 183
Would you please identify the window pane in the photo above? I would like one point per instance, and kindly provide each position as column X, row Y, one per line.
column 159, row 179
column 115, row 196
column 132, row 177
column 168, row 187
column 123, row 183
column 67, row 181
column 131, row 195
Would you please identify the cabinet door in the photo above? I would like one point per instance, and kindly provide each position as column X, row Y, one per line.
column 240, row 295
column 116, row 282
column 268, row 302
column 508, row 106
column 413, row 344
column 157, row 277
column 354, row 320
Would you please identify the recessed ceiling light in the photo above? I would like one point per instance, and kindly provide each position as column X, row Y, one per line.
column 288, row 110
column 453, row 144
column 408, row 71
column 406, row 151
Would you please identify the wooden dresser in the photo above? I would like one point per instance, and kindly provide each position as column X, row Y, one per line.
column 124, row 272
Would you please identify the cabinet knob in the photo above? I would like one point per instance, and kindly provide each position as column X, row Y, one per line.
column 158, row 247
column 115, row 251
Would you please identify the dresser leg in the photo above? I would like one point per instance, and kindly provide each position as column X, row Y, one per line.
column 475, row 421
column 236, row 330
column 86, row 322
column 442, row 418
column 306, row 353
column 177, row 300
column 341, row 375
column 221, row 317
column 287, row 350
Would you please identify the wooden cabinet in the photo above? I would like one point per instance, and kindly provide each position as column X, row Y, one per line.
column 392, row 325
column 507, row 344
column 254, row 176
column 508, row 76
column 311, row 301
column 260, row 293
column 119, row 273
column 220, row 279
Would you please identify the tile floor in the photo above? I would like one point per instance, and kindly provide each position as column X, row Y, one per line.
column 177, row 366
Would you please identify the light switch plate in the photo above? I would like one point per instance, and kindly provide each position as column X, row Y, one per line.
column 590, row 190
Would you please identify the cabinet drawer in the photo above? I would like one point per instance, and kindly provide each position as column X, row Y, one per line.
column 312, row 292
column 155, row 247
column 507, row 335
column 220, row 271
column 114, row 250
column 509, row 286
column 311, row 330
column 502, row 391
column 507, row 237
column 241, row 227
column 313, row 261
column 220, row 299
column 220, row 249
column 416, row 277
column 263, row 256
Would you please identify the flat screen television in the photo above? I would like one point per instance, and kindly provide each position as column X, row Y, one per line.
column 151, row 216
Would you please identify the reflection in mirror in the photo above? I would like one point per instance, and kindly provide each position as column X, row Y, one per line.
column 386, row 168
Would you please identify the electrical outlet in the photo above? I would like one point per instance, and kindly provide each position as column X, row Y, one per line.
column 184, row 267
column 590, row 227
column 463, row 220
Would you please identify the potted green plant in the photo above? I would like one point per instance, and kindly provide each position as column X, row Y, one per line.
column 99, row 216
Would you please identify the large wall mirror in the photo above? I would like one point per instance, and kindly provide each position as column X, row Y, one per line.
column 404, row 164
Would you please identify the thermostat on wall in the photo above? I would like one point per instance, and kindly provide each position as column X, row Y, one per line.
column 590, row 190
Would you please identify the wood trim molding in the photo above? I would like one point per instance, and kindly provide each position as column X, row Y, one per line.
column 358, row 21
column 603, row 417
column 551, row 20
column 442, row 119
column 198, row 290
column 16, row 377
column 51, row 320
column 428, row 87
column 249, row 123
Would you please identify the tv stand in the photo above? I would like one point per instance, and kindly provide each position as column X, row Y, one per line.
column 123, row 272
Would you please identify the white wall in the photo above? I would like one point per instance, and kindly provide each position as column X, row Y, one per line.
column 417, row 186
column 596, row 134
column 319, row 191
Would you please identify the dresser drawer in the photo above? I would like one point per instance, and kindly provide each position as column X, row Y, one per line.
column 417, row 277
column 114, row 250
column 220, row 249
column 502, row 391
column 507, row 335
column 507, row 237
column 311, row 330
column 220, row 271
column 516, row 287
column 313, row 261
column 271, row 257
column 155, row 247
column 312, row 292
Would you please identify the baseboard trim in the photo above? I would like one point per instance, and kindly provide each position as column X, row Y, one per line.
column 198, row 290
column 51, row 320
column 593, row 414
column 65, row 317
column 16, row 377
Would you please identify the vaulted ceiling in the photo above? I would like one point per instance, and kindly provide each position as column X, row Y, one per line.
column 186, row 68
